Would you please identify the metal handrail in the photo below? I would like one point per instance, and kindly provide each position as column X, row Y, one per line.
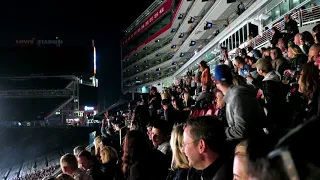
column 303, row 17
column 229, row 20
column 150, row 9
column 120, row 134
column 234, row 15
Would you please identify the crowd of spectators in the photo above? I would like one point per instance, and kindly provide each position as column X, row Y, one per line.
column 255, row 117
column 39, row 174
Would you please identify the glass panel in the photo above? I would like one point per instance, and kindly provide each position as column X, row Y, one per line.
column 233, row 41
column 241, row 36
column 284, row 7
column 237, row 39
column 275, row 12
column 294, row 3
column 269, row 20
column 227, row 43
column 245, row 32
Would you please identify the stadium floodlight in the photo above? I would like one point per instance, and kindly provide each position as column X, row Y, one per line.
column 191, row 20
column 208, row 26
column 192, row 43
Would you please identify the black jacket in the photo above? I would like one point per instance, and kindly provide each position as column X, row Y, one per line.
column 298, row 61
column 220, row 169
column 276, row 36
column 152, row 167
column 95, row 172
column 307, row 111
column 111, row 171
column 291, row 27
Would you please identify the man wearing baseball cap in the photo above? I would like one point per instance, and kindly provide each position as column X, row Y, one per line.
column 244, row 114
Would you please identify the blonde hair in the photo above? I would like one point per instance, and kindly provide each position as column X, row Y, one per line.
column 165, row 95
column 241, row 148
column 264, row 64
column 239, row 80
column 186, row 97
column 241, row 155
column 108, row 154
column 179, row 160
column 97, row 142
column 64, row 177
column 296, row 50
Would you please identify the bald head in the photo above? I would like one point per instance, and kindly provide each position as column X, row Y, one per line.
column 298, row 38
column 314, row 52
column 68, row 163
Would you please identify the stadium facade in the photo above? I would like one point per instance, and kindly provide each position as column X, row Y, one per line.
column 171, row 37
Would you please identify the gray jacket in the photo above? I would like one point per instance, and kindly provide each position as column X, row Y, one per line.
column 244, row 114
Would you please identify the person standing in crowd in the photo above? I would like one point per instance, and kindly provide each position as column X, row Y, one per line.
column 110, row 168
column 241, row 67
column 240, row 8
column 140, row 161
column 205, row 76
column 279, row 63
column 309, row 85
column 161, row 138
column 296, row 56
column 244, row 114
column 274, row 93
column 105, row 124
column 179, row 164
column 314, row 52
column 300, row 40
column 315, row 30
column 77, row 150
column 226, row 59
column 309, row 40
column 154, row 101
column 141, row 118
column 69, row 165
column 204, row 145
column 276, row 35
column 291, row 27
column 90, row 164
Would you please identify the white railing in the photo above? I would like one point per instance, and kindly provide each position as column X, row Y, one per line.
column 303, row 18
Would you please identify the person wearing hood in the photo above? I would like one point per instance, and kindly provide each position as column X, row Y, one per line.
column 274, row 93
column 244, row 115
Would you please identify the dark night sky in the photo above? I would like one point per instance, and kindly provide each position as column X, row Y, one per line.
column 76, row 22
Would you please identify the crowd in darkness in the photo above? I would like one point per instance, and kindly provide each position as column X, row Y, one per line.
column 256, row 117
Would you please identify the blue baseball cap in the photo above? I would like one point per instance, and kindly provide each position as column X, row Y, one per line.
column 222, row 73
